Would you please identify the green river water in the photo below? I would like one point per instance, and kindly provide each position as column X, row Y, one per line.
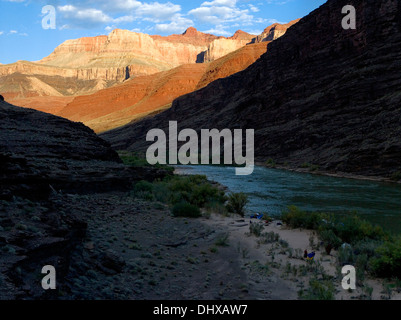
column 272, row 190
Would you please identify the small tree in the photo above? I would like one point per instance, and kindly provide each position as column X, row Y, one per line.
column 237, row 203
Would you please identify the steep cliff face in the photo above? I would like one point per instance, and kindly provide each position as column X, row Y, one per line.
column 26, row 80
column 139, row 97
column 320, row 95
column 221, row 47
column 123, row 48
column 85, row 65
column 274, row 31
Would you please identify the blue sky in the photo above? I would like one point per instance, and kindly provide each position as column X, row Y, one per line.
column 22, row 36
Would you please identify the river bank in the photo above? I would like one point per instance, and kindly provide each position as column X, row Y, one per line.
column 271, row 191
column 319, row 172
column 281, row 257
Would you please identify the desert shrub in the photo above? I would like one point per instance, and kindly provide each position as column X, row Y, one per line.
column 222, row 241
column 161, row 192
column 185, row 209
column 348, row 228
column 132, row 159
column 201, row 194
column 329, row 238
column 143, row 186
column 269, row 237
column 196, row 190
column 284, row 243
column 345, row 256
column 318, row 290
column 144, row 190
column 352, row 229
column 296, row 218
column 361, row 265
column 237, row 203
column 256, row 229
column 387, row 263
column 216, row 207
column 367, row 247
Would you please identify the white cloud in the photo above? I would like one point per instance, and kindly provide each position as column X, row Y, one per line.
column 278, row 2
column 219, row 30
column 178, row 25
column 158, row 12
column 222, row 14
column 1, row 33
column 124, row 19
column 220, row 3
column 122, row 5
column 67, row 8
column 14, row 32
column 82, row 15
column 253, row 8
column 77, row 17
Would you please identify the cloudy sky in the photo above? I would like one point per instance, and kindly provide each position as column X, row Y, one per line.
column 22, row 36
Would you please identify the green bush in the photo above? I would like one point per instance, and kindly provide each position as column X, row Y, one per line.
column 185, row 209
column 371, row 248
column 348, row 228
column 196, row 190
column 161, row 192
column 237, row 203
column 387, row 263
column 144, row 190
column 367, row 247
column 318, row 290
column 296, row 218
column 329, row 238
column 143, row 186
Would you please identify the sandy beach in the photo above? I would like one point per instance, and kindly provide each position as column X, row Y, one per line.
column 298, row 241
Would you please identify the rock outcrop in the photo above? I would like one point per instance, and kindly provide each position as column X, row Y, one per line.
column 43, row 160
column 41, row 152
column 114, row 107
column 221, row 47
column 274, row 31
column 321, row 95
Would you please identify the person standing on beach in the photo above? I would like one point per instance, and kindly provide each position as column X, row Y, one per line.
column 306, row 254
